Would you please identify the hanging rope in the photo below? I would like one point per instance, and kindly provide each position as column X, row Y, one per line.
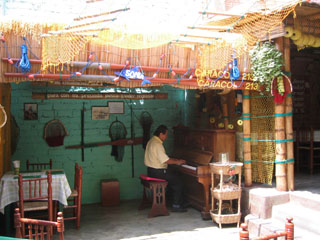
column 4, row 120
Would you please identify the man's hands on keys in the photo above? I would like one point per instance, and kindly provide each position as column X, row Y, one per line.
column 181, row 161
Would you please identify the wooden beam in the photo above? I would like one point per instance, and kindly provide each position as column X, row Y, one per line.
column 101, row 14
column 93, row 96
column 210, row 28
column 90, row 23
column 198, row 36
column 119, row 142
column 220, row 14
column 106, row 66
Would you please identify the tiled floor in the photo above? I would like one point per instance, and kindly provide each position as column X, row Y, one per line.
column 127, row 222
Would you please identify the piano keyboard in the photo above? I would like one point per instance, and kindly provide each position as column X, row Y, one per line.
column 189, row 167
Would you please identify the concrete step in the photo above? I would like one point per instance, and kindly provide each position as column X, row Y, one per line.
column 259, row 201
column 303, row 217
column 258, row 227
column 306, row 199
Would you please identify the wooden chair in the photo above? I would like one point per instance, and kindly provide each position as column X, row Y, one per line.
column 37, row 199
column 75, row 197
column 288, row 233
column 38, row 229
column 158, row 188
column 305, row 143
column 39, row 166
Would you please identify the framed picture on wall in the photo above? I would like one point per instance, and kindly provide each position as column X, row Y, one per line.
column 30, row 111
column 116, row 107
column 100, row 113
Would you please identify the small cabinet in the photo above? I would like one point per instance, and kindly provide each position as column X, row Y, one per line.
column 225, row 192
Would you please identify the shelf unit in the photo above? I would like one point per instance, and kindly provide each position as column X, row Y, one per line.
column 224, row 195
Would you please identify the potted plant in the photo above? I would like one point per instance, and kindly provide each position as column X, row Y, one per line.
column 266, row 62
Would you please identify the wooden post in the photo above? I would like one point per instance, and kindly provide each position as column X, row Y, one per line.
column 60, row 225
column 281, row 171
column 246, row 139
column 289, row 228
column 2, row 170
column 17, row 223
column 288, row 120
column 225, row 111
column 5, row 131
column 244, row 233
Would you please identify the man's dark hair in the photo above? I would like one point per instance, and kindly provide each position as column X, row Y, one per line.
column 160, row 129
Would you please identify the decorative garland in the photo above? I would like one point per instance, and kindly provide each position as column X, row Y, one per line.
column 127, row 72
column 23, row 65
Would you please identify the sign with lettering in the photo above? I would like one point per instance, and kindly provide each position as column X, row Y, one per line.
column 227, row 84
column 99, row 96
column 133, row 73
column 68, row 83
column 213, row 73
column 218, row 79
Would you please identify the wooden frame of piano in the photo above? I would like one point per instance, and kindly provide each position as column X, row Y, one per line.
column 199, row 147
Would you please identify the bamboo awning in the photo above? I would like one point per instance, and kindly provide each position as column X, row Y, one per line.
column 212, row 32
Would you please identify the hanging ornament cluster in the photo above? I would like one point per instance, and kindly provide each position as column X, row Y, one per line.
column 128, row 72
column 300, row 39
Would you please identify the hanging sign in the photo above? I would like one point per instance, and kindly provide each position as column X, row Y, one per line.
column 68, row 83
column 99, row 96
column 227, row 84
column 218, row 79
column 133, row 73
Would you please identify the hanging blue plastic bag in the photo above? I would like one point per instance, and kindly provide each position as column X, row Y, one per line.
column 235, row 73
column 24, row 64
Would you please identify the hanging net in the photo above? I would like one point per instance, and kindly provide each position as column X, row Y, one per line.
column 117, row 130
column 34, row 30
column 262, row 137
column 221, row 52
column 57, row 50
column 146, row 122
column 125, row 24
column 54, row 133
column 260, row 21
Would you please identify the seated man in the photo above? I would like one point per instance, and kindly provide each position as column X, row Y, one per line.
column 157, row 161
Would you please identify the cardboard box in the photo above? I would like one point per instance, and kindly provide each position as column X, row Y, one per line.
column 110, row 192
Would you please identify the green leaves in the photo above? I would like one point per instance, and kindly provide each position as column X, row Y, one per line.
column 266, row 63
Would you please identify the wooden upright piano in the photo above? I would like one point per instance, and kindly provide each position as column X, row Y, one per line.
column 199, row 147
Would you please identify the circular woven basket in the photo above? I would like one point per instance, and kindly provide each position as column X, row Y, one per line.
column 225, row 218
column 54, row 133
column 226, row 195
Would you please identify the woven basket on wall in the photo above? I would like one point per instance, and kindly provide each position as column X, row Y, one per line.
column 54, row 133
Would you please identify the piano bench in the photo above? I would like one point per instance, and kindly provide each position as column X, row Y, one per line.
column 158, row 189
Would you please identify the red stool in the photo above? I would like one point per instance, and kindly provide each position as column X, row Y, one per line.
column 158, row 188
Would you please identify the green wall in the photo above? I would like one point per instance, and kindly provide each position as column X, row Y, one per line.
column 98, row 163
